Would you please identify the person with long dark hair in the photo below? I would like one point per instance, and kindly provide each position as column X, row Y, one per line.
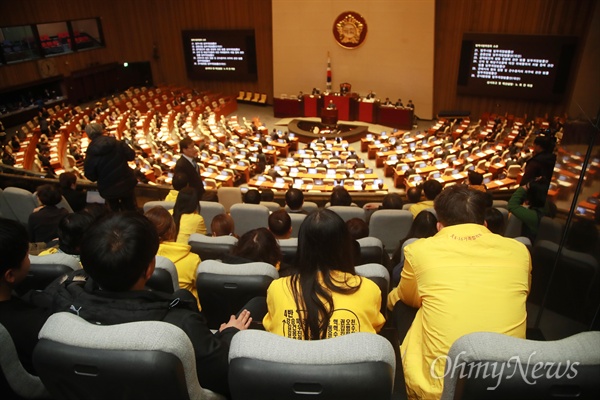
column 186, row 214
column 324, row 298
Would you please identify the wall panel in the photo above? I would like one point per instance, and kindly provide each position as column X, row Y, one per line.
column 133, row 28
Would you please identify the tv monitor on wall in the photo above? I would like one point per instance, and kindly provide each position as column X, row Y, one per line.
column 516, row 66
column 228, row 55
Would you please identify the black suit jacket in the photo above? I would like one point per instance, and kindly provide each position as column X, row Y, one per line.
column 194, row 178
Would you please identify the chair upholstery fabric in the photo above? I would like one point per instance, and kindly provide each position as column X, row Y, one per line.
column 147, row 359
column 268, row 366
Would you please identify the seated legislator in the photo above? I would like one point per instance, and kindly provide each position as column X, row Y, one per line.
column 180, row 180
column 463, row 279
column 118, row 257
column 332, row 299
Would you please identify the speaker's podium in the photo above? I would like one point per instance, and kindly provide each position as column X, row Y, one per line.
column 329, row 116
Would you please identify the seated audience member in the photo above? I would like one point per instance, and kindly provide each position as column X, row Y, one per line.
column 252, row 196
column 267, row 195
column 431, row 188
column 222, row 225
column 22, row 320
column 280, row 224
column 413, row 194
column 294, row 199
column 43, row 221
column 179, row 181
column 423, row 226
column 391, row 201
column 325, row 287
column 186, row 214
column 256, row 245
column 118, row 257
column 358, row 229
column 475, row 180
column 185, row 261
column 77, row 199
column 464, row 279
column 70, row 232
column 399, row 103
column 494, row 221
column 534, row 194
column 410, row 104
column 542, row 162
column 340, row 197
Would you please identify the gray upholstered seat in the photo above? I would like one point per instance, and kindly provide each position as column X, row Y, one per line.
column 390, row 226
column 165, row 277
column 147, row 359
column 297, row 220
column 372, row 251
column 209, row 209
column 167, row 205
column 45, row 269
column 264, row 365
column 380, row 275
column 249, row 216
column 524, row 369
column 513, row 227
column 271, row 205
column 308, row 206
column 211, row 247
column 223, row 289
column 21, row 382
column 348, row 212
column 289, row 249
column 20, row 202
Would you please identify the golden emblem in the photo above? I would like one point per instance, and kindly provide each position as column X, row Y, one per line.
column 350, row 29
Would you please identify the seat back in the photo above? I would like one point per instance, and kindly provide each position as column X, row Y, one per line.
column 513, row 227
column 21, row 203
column 390, row 226
column 575, row 284
column 380, row 275
column 289, row 249
column 5, row 209
column 348, row 212
column 524, row 369
column 209, row 209
column 268, row 366
column 229, row 196
column 308, row 206
column 297, row 220
column 165, row 277
column 211, row 248
column 223, row 289
column 550, row 229
column 271, row 205
column 372, row 251
column 248, row 217
column 167, row 205
column 45, row 269
column 15, row 381
column 148, row 359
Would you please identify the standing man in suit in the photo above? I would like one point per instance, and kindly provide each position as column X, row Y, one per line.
column 187, row 164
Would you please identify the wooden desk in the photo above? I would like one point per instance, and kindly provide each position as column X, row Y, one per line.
column 500, row 183
column 401, row 118
column 283, row 108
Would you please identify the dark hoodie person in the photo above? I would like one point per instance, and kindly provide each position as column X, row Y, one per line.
column 106, row 162
column 542, row 162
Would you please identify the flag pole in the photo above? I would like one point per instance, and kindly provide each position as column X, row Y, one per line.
column 328, row 86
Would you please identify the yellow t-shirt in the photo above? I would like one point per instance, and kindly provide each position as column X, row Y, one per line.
column 355, row 312
column 464, row 279
column 185, row 262
column 190, row 223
